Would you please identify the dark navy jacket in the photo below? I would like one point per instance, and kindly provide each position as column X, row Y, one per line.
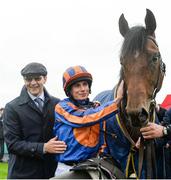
column 26, row 129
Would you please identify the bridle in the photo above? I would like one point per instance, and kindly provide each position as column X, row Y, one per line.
column 162, row 69
column 122, row 119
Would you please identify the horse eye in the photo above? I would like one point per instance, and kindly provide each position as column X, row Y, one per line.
column 155, row 58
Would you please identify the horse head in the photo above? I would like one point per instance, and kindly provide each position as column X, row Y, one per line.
column 142, row 68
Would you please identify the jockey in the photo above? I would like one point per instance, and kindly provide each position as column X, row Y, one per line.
column 78, row 121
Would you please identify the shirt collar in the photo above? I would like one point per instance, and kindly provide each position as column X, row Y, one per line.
column 41, row 96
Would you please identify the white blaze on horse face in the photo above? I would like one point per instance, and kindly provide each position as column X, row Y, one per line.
column 136, row 54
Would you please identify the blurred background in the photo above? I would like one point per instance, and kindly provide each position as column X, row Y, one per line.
column 63, row 33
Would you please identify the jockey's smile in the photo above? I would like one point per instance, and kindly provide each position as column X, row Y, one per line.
column 80, row 90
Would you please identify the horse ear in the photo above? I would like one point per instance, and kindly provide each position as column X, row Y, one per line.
column 123, row 25
column 150, row 22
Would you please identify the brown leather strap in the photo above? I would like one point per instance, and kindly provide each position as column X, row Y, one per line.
column 149, row 160
column 154, row 163
column 141, row 157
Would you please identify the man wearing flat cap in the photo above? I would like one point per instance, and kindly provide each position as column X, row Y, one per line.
column 28, row 128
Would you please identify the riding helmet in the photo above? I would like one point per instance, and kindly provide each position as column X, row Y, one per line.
column 73, row 75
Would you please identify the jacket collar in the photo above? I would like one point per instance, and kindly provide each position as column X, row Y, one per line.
column 82, row 104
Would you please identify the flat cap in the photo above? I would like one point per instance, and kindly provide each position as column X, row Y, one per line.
column 34, row 69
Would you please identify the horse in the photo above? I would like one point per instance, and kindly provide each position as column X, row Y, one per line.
column 142, row 70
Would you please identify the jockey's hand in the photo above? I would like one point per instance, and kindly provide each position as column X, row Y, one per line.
column 54, row 146
column 96, row 104
column 119, row 93
column 152, row 130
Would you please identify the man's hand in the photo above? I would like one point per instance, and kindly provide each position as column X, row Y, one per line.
column 55, row 146
column 152, row 130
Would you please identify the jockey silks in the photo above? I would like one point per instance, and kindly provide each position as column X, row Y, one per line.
column 80, row 128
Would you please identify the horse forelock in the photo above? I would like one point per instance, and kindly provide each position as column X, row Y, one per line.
column 134, row 42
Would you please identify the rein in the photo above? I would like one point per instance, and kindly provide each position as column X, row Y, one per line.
column 149, row 148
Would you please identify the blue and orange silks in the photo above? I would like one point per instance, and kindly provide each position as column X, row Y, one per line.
column 80, row 129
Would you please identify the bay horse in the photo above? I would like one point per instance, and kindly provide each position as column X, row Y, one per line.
column 142, row 70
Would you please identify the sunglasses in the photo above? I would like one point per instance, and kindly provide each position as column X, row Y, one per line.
column 30, row 78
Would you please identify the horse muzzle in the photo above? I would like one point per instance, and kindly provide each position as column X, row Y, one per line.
column 138, row 118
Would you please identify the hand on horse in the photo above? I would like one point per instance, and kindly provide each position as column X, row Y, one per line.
column 96, row 104
column 55, row 146
column 152, row 130
column 119, row 93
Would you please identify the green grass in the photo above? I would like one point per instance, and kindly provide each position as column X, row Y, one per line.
column 3, row 170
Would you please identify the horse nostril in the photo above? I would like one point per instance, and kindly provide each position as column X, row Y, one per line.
column 143, row 116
